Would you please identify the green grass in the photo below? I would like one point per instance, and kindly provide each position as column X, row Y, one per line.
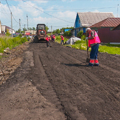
column 82, row 45
column 58, row 39
column 109, row 49
column 10, row 42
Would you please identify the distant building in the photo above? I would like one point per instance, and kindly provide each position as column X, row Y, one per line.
column 65, row 30
column 0, row 27
column 33, row 32
column 86, row 19
column 5, row 28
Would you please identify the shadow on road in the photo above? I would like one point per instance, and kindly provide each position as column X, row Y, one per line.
column 76, row 65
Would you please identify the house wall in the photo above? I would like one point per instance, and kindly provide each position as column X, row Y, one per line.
column 117, row 28
column 3, row 28
column 107, row 36
column 84, row 30
column 11, row 31
column 31, row 31
column 77, row 22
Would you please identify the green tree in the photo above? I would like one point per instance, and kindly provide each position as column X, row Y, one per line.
column 67, row 33
column 62, row 29
column 24, row 29
column 46, row 28
column 8, row 33
column 18, row 31
column 33, row 28
column 58, row 31
column 29, row 28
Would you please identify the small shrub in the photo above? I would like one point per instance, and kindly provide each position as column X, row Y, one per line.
column 83, row 37
column 10, row 42
column 80, row 33
column 20, row 35
column 7, row 33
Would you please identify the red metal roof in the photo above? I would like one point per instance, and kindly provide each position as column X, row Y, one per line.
column 109, row 22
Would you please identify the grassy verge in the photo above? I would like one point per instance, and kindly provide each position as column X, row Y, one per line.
column 10, row 42
column 82, row 45
column 58, row 39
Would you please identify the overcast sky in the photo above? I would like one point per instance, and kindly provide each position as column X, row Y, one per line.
column 55, row 13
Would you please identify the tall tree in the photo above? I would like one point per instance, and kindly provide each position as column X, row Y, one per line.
column 46, row 28
column 24, row 29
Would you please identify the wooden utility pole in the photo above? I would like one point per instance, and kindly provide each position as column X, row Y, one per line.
column 27, row 21
column 51, row 30
column 11, row 26
column 20, row 25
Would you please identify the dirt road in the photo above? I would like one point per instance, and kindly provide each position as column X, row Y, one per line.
column 55, row 84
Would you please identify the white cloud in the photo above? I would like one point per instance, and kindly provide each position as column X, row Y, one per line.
column 31, row 8
column 67, row 14
column 36, row 16
column 96, row 11
column 38, row 1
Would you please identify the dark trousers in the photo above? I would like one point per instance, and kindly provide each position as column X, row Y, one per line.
column 62, row 41
column 53, row 39
column 94, row 52
column 48, row 43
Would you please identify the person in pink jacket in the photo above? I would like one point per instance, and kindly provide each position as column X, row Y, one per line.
column 62, row 40
column 48, row 41
column 93, row 42
column 53, row 38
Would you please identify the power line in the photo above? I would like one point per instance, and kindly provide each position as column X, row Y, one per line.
column 79, row 9
column 11, row 12
column 48, row 13
column 8, row 6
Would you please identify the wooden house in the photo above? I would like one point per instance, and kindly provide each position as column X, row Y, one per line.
column 86, row 19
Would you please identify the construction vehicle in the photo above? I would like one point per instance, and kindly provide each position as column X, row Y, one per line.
column 40, row 32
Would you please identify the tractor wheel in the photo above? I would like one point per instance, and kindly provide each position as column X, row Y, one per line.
column 35, row 39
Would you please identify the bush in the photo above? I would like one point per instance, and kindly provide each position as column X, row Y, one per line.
column 67, row 33
column 80, row 33
column 7, row 33
column 83, row 37
column 10, row 42
column 20, row 35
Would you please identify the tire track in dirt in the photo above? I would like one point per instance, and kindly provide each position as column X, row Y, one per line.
column 41, row 81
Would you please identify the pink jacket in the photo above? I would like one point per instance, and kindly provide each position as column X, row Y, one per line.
column 47, row 38
column 62, row 38
column 95, row 40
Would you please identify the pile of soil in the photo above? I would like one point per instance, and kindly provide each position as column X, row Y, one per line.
column 10, row 62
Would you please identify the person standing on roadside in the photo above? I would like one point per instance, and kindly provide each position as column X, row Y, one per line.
column 53, row 38
column 93, row 42
column 62, row 40
column 48, row 41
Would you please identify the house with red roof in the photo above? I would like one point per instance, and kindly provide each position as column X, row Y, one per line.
column 106, row 23
column 108, row 30
column 86, row 19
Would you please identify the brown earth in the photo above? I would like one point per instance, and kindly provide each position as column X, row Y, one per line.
column 55, row 84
